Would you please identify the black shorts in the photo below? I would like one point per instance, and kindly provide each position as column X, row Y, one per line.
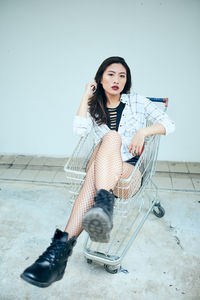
column 133, row 160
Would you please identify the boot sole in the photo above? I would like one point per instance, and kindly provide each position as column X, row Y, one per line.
column 37, row 283
column 98, row 225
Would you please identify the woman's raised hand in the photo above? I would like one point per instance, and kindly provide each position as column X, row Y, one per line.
column 90, row 89
column 137, row 142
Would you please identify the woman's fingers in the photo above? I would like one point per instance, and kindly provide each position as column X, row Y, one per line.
column 93, row 86
column 90, row 88
column 138, row 150
column 136, row 143
column 135, row 149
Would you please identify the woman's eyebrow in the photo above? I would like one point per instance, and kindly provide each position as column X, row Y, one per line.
column 115, row 72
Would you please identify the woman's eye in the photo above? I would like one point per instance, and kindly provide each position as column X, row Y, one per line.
column 123, row 76
column 110, row 74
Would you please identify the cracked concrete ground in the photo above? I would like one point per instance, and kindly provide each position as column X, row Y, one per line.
column 163, row 262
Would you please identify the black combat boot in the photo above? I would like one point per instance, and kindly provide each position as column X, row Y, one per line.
column 98, row 220
column 50, row 266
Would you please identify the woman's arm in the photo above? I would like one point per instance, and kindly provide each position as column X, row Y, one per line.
column 89, row 90
column 137, row 141
column 155, row 115
column 82, row 111
column 162, row 124
column 154, row 129
column 82, row 123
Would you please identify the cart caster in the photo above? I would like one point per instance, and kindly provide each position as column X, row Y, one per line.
column 112, row 269
column 89, row 261
column 158, row 210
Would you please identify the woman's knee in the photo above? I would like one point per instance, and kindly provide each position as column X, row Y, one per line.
column 112, row 136
column 90, row 168
column 129, row 187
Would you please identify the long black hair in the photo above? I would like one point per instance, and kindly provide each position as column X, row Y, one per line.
column 98, row 101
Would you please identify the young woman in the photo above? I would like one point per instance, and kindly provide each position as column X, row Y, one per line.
column 119, row 122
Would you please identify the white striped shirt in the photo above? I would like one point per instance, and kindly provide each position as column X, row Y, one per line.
column 137, row 111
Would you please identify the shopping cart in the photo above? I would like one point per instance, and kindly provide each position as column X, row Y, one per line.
column 132, row 204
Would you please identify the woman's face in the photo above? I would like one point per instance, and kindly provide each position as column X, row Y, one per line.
column 114, row 79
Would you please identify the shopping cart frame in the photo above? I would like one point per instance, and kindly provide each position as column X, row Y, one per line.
column 75, row 177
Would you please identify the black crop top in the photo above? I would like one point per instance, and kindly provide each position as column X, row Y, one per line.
column 114, row 116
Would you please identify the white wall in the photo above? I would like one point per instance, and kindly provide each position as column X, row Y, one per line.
column 49, row 50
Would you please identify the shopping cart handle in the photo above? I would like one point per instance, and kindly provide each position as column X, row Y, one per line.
column 164, row 100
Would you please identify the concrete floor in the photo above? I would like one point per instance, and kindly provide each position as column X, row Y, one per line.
column 177, row 176
column 163, row 263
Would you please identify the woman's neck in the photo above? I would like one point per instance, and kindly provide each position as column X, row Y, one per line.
column 112, row 100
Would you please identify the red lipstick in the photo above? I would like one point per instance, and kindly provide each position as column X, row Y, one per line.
column 115, row 87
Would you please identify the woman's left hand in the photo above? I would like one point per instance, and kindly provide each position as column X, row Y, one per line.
column 137, row 142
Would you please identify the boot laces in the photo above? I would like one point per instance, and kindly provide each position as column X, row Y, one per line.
column 105, row 201
column 54, row 251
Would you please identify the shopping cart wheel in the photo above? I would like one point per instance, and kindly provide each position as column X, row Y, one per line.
column 89, row 261
column 158, row 210
column 112, row 269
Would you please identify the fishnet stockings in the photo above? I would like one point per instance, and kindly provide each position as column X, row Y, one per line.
column 108, row 161
column 104, row 170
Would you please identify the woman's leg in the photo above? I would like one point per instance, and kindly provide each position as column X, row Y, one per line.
column 104, row 170
column 85, row 199
column 83, row 202
column 108, row 162
column 50, row 266
column 110, row 169
column 124, row 189
column 98, row 221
